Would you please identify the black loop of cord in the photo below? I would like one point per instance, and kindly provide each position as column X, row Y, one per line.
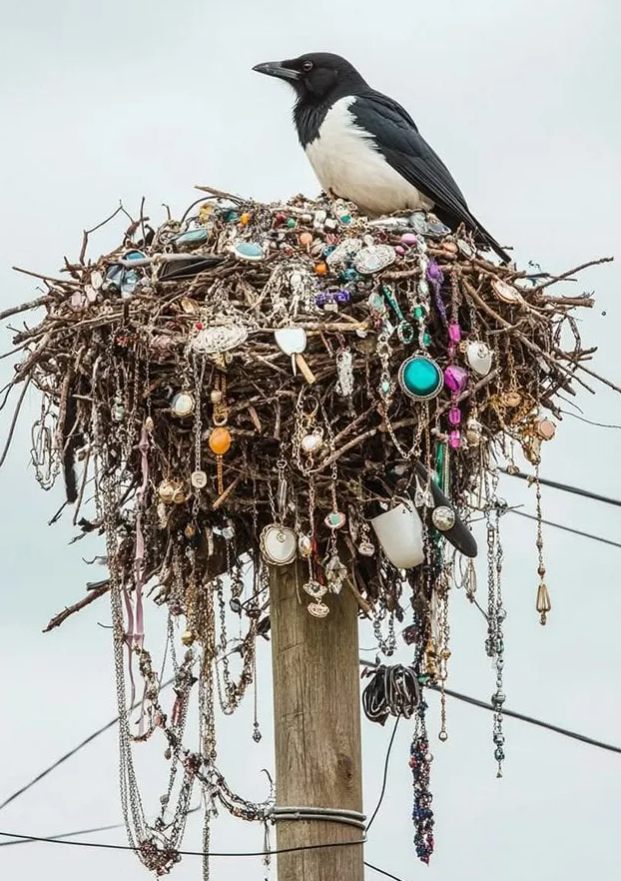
column 392, row 691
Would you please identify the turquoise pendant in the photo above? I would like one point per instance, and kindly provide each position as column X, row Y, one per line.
column 420, row 378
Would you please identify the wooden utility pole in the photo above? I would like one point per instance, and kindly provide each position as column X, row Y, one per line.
column 317, row 727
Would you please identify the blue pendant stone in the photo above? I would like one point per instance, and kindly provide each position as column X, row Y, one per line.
column 248, row 251
column 420, row 377
column 192, row 237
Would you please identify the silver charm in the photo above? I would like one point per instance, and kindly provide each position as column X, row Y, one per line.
column 479, row 357
column 198, row 479
column 345, row 373
column 374, row 258
column 423, row 497
column 278, row 545
column 218, row 339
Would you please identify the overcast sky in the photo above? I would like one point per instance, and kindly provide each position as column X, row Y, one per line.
column 101, row 102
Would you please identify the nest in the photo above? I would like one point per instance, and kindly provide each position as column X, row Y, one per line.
column 291, row 366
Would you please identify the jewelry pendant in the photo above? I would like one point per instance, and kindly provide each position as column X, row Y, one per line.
column 198, row 479
column 182, row 404
column 305, row 546
column 366, row 548
column 374, row 258
column 278, row 545
column 420, row 378
column 312, row 442
column 314, row 589
column 335, row 520
column 443, row 518
column 336, row 573
column 479, row 357
column 345, row 373
column 318, row 610
column 423, row 497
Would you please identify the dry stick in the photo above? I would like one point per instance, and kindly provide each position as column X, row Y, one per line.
column 524, row 339
column 62, row 281
column 57, row 620
column 87, row 233
column 566, row 275
column 33, row 304
column 607, row 382
column 14, row 421
column 571, row 302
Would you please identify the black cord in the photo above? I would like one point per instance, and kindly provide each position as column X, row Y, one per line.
column 606, row 541
column 564, row 487
column 385, row 778
column 531, row 720
column 382, row 872
column 184, row 853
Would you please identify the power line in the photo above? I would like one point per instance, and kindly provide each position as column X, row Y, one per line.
column 564, row 487
column 184, row 853
column 58, row 839
column 531, row 720
column 606, row 541
column 385, row 777
column 522, row 717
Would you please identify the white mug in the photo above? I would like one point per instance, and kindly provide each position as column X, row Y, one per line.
column 400, row 533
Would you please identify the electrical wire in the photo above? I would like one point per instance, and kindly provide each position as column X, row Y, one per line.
column 385, row 777
column 57, row 839
column 564, row 487
column 606, row 541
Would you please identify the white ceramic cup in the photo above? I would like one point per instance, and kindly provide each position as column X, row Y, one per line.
column 400, row 533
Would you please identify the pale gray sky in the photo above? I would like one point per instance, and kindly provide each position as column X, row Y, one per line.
column 127, row 98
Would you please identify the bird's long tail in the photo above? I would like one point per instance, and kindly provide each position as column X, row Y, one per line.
column 482, row 237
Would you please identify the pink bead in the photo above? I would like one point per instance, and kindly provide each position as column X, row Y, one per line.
column 454, row 332
column 455, row 378
column 455, row 439
column 400, row 250
column 454, row 415
column 409, row 238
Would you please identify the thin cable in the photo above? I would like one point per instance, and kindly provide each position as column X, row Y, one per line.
column 564, row 487
column 382, row 871
column 531, row 721
column 605, row 541
column 522, row 717
column 184, row 853
column 66, row 834
column 385, row 778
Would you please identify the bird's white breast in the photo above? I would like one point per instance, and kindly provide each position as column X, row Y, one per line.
column 348, row 165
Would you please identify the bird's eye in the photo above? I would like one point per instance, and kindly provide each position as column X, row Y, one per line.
column 308, row 65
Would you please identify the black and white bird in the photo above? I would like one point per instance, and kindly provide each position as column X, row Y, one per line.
column 365, row 148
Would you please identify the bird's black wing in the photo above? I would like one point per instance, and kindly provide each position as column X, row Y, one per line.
column 398, row 139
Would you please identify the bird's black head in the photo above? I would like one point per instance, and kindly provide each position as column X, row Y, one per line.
column 316, row 76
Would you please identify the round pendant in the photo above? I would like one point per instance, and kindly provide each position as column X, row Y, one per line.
column 479, row 357
column 198, row 479
column 314, row 589
column 420, row 378
column 545, row 429
column 335, row 520
column 166, row 491
column 506, row 292
column 443, row 518
column 366, row 548
column 374, row 258
column 310, row 443
column 318, row 610
column 182, row 404
column 278, row 545
column 248, row 251
column 305, row 545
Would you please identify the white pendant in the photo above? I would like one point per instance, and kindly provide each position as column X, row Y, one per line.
column 479, row 357
column 278, row 545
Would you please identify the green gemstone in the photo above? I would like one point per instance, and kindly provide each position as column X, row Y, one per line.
column 419, row 312
column 291, row 222
column 420, row 377
column 346, row 218
column 426, row 339
column 232, row 217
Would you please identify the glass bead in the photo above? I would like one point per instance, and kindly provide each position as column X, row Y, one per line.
column 454, row 332
column 455, row 378
column 291, row 223
column 419, row 312
column 499, row 754
column 426, row 339
column 321, row 268
column 454, row 415
column 220, row 441
column 455, row 439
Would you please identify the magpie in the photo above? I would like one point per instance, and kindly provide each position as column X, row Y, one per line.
column 365, row 148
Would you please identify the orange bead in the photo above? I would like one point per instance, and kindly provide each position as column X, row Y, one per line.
column 220, row 441
column 321, row 268
column 245, row 218
column 306, row 238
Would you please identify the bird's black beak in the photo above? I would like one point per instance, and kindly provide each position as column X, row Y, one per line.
column 275, row 68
